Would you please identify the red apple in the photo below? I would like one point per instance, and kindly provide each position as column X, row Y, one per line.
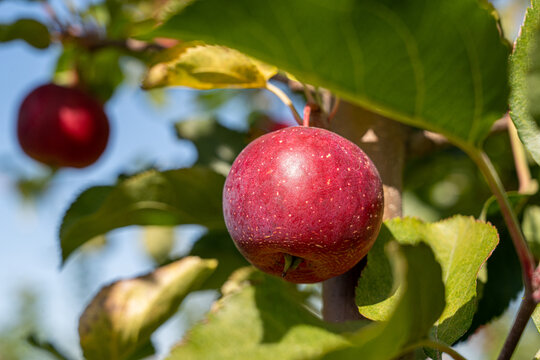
column 62, row 127
column 306, row 197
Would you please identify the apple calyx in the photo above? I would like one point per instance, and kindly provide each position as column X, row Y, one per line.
column 291, row 263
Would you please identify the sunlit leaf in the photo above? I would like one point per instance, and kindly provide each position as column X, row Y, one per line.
column 29, row 30
column 175, row 197
column 525, row 78
column 158, row 242
column 119, row 321
column 460, row 244
column 261, row 317
column 536, row 317
column 419, row 306
column 385, row 55
column 205, row 67
column 531, row 228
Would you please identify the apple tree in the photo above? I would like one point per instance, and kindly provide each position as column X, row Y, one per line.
column 432, row 91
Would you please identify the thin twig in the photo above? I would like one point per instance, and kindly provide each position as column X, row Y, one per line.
column 525, row 311
column 525, row 258
column 286, row 100
column 526, row 183
column 334, row 110
column 307, row 93
column 52, row 14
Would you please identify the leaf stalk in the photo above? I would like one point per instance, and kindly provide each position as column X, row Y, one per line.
column 525, row 257
column 286, row 100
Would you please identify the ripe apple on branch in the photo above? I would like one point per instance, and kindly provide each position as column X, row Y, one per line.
column 303, row 203
column 62, row 127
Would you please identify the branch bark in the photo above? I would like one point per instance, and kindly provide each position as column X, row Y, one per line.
column 383, row 140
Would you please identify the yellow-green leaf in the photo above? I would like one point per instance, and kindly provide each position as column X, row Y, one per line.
column 263, row 317
column 120, row 319
column 205, row 67
column 536, row 317
column 158, row 241
column 461, row 245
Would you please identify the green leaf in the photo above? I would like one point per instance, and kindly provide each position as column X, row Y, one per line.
column 460, row 244
column 524, row 78
column 439, row 65
column 33, row 32
column 219, row 245
column 205, row 67
column 46, row 347
column 98, row 71
column 126, row 18
column 119, row 321
column 531, row 228
column 158, row 242
column 217, row 146
column 261, row 317
column 536, row 317
column 419, row 306
column 143, row 352
column 185, row 196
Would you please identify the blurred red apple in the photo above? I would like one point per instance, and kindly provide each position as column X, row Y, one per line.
column 62, row 127
column 304, row 200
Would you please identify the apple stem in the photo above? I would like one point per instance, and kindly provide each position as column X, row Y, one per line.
column 307, row 114
column 291, row 263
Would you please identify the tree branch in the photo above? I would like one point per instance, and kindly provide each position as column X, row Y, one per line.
column 383, row 140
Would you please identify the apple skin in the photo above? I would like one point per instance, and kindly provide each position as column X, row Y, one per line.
column 62, row 127
column 306, row 192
